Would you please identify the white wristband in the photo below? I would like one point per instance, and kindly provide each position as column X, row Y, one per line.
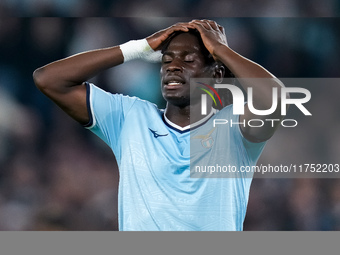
column 139, row 49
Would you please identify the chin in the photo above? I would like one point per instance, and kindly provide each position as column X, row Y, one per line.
column 177, row 101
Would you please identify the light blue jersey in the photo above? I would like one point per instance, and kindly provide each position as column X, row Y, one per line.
column 156, row 191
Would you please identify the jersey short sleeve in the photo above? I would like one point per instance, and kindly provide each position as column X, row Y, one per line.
column 253, row 149
column 106, row 112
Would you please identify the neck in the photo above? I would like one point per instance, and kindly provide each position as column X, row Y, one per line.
column 183, row 116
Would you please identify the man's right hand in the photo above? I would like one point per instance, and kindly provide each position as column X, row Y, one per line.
column 157, row 40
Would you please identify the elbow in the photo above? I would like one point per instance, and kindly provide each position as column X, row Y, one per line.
column 40, row 79
column 282, row 93
column 283, row 96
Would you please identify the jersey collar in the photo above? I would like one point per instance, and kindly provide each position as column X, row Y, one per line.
column 191, row 126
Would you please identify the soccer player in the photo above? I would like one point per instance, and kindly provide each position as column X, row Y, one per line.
column 152, row 146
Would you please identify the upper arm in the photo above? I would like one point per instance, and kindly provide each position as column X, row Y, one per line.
column 73, row 102
column 259, row 128
column 71, row 99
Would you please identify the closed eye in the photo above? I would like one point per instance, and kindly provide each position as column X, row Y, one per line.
column 166, row 59
column 189, row 58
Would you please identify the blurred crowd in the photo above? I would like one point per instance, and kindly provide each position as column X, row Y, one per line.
column 55, row 175
column 175, row 8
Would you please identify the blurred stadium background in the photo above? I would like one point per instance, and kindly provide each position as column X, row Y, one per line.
column 54, row 175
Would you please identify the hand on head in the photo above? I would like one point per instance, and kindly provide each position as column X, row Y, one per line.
column 212, row 34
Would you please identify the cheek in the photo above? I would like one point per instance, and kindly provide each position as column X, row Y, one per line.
column 207, row 72
column 201, row 71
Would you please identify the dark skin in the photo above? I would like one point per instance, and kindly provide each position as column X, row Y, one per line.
column 181, row 61
column 63, row 80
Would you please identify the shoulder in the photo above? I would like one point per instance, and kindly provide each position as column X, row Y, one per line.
column 99, row 95
column 225, row 112
column 106, row 107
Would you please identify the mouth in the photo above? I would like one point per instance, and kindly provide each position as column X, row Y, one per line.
column 173, row 83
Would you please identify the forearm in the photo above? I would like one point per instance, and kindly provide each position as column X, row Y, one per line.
column 250, row 74
column 76, row 69
column 239, row 65
column 63, row 80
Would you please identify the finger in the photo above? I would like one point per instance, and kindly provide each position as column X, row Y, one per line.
column 183, row 24
column 221, row 29
column 207, row 24
column 184, row 28
column 170, row 31
column 194, row 20
column 214, row 25
column 199, row 25
column 217, row 26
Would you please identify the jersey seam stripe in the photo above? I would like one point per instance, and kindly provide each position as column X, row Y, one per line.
column 92, row 121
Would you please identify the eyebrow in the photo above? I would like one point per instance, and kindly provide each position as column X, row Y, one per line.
column 186, row 52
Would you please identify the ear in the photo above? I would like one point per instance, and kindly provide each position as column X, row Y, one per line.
column 219, row 72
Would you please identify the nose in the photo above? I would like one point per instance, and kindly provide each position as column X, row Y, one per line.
column 174, row 66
